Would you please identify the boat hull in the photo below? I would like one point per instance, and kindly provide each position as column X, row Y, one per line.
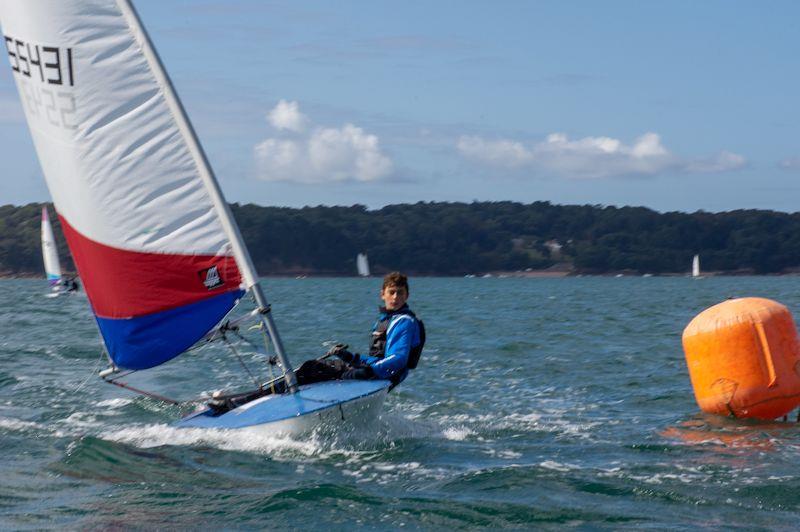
column 325, row 405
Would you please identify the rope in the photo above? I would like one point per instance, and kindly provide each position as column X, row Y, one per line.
column 241, row 361
column 270, row 360
column 245, row 340
column 91, row 373
column 223, row 330
column 142, row 392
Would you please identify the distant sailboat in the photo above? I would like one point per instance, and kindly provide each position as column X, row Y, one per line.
column 362, row 264
column 52, row 266
column 696, row 266
column 162, row 260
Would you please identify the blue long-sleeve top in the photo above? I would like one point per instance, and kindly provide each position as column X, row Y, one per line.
column 401, row 335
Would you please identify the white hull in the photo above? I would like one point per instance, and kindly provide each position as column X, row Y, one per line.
column 344, row 416
column 327, row 406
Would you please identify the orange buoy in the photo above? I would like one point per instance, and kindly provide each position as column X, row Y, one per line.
column 744, row 359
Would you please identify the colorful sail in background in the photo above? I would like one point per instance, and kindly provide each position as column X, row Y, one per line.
column 143, row 228
column 52, row 266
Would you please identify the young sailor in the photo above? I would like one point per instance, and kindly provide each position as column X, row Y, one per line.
column 396, row 343
column 397, row 340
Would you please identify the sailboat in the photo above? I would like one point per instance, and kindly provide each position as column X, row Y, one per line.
column 162, row 260
column 52, row 266
column 362, row 264
column 696, row 266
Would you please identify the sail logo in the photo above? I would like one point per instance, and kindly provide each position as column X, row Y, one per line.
column 211, row 278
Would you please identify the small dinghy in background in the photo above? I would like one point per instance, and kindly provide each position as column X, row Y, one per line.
column 696, row 267
column 362, row 265
column 52, row 266
column 161, row 258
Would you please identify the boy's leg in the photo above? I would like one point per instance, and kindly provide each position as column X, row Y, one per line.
column 358, row 373
column 320, row 370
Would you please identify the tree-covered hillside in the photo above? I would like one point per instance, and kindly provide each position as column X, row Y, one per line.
column 459, row 238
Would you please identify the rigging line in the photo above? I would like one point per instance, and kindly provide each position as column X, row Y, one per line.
column 91, row 373
column 271, row 360
column 121, row 375
column 241, row 361
column 246, row 340
column 143, row 392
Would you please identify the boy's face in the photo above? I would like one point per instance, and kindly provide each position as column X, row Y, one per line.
column 394, row 297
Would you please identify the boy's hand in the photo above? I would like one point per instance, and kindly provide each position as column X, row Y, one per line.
column 340, row 350
column 335, row 350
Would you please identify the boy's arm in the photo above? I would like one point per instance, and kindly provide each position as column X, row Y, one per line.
column 399, row 340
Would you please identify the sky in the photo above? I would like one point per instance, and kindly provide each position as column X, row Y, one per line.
column 676, row 106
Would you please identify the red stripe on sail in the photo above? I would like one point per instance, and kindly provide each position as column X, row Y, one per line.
column 126, row 284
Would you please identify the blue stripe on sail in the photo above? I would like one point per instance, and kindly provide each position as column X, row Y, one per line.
column 53, row 279
column 147, row 341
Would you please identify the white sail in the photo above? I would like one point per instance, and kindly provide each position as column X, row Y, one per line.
column 362, row 264
column 159, row 252
column 696, row 266
column 161, row 258
column 52, row 266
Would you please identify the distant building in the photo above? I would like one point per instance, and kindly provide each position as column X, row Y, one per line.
column 554, row 246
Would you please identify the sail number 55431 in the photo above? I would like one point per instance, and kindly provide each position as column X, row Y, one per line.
column 41, row 70
column 52, row 63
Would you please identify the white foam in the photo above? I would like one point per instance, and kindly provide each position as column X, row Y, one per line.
column 457, row 433
column 80, row 420
column 115, row 403
column 558, row 466
column 17, row 424
column 505, row 454
column 554, row 421
column 391, row 473
column 231, row 440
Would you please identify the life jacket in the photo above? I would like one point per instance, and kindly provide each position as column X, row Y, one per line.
column 377, row 346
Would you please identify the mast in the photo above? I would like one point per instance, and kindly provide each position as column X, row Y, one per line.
column 229, row 225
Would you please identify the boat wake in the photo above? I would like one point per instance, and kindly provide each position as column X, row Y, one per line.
column 323, row 442
column 159, row 435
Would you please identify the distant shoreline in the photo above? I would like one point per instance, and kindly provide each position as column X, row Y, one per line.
column 496, row 238
column 533, row 274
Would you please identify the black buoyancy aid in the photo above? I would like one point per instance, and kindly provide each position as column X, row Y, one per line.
column 377, row 346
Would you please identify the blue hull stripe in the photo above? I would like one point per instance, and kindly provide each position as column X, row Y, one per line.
column 147, row 341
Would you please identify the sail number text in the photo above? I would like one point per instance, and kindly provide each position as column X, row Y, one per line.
column 52, row 64
column 52, row 67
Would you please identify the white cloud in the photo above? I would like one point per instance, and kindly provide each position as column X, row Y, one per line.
column 722, row 162
column 287, row 116
column 325, row 154
column 499, row 152
column 590, row 157
column 792, row 163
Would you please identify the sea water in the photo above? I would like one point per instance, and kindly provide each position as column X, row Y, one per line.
column 538, row 403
